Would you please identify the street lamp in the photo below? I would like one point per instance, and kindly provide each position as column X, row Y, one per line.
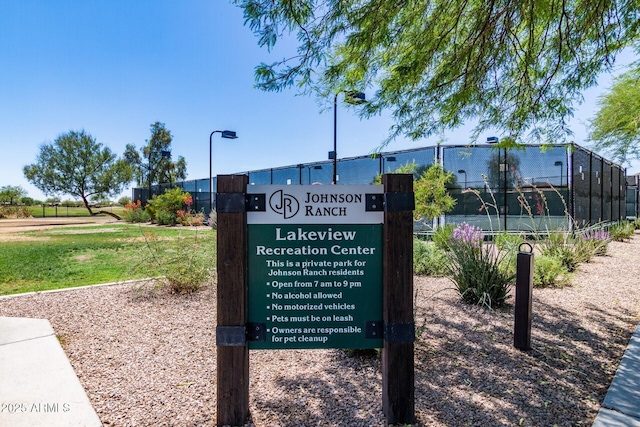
column 559, row 163
column 228, row 134
column 387, row 159
column 351, row 97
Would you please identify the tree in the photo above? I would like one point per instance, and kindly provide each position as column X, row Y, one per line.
column 517, row 66
column 153, row 164
column 11, row 194
column 77, row 165
column 430, row 190
column 615, row 129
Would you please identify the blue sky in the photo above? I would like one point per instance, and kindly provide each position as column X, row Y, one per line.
column 114, row 67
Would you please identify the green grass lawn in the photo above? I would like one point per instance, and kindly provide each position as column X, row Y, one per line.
column 79, row 256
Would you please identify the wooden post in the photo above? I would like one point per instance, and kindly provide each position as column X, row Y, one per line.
column 232, row 349
column 398, row 395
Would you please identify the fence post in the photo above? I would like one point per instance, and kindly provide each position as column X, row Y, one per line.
column 232, row 350
column 524, row 287
column 398, row 394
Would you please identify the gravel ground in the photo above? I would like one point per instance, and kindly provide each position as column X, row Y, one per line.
column 151, row 361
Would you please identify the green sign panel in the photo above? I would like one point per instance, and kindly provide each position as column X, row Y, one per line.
column 315, row 285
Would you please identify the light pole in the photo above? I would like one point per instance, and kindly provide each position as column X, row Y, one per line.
column 229, row 134
column 463, row 194
column 351, row 97
column 559, row 163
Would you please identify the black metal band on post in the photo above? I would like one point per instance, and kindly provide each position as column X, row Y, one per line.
column 524, row 289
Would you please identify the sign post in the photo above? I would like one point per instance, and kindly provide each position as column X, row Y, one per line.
column 232, row 376
column 312, row 267
column 398, row 395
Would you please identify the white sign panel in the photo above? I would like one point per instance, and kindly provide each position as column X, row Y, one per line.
column 316, row 204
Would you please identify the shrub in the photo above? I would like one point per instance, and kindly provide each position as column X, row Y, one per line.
column 621, row 231
column 186, row 218
column 124, row 200
column 428, row 259
column 598, row 240
column 163, row 208
column 442, row 236
column 507, row 241
column 133, row 212
column 549, row 271
column 185, row 263
column 14, row 212
column 480, row 271
column 565, row 247
column 164, row 217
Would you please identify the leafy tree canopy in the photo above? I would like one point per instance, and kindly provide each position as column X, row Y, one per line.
column 615, row 129
column 12, row 194
column 430, row 188
column 77, row 165
column 517, row 66
column 152, row 164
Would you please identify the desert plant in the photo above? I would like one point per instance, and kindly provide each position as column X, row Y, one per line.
column 164, row 217
column 508, row 241
column 163, row 208
column 621, row 231
column 428, row 259
column 185, row 264
column 550, row 271
column 14, row 212
column 477, row 269
column 565, row 247
column 189, row 219
column 598, row 239
column 133, row 212
column 442, row 236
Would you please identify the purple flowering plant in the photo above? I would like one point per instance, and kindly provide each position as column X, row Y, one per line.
column 481, row 272
column 597, row 239
column 468, row 234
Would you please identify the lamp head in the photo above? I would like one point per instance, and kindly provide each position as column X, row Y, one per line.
column 229, row 134
column 354, row 98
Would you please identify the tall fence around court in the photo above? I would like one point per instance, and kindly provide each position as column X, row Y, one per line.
column 529, row 188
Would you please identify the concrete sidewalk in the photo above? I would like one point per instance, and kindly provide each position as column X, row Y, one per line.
column 621, row 405
column 38, row 386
